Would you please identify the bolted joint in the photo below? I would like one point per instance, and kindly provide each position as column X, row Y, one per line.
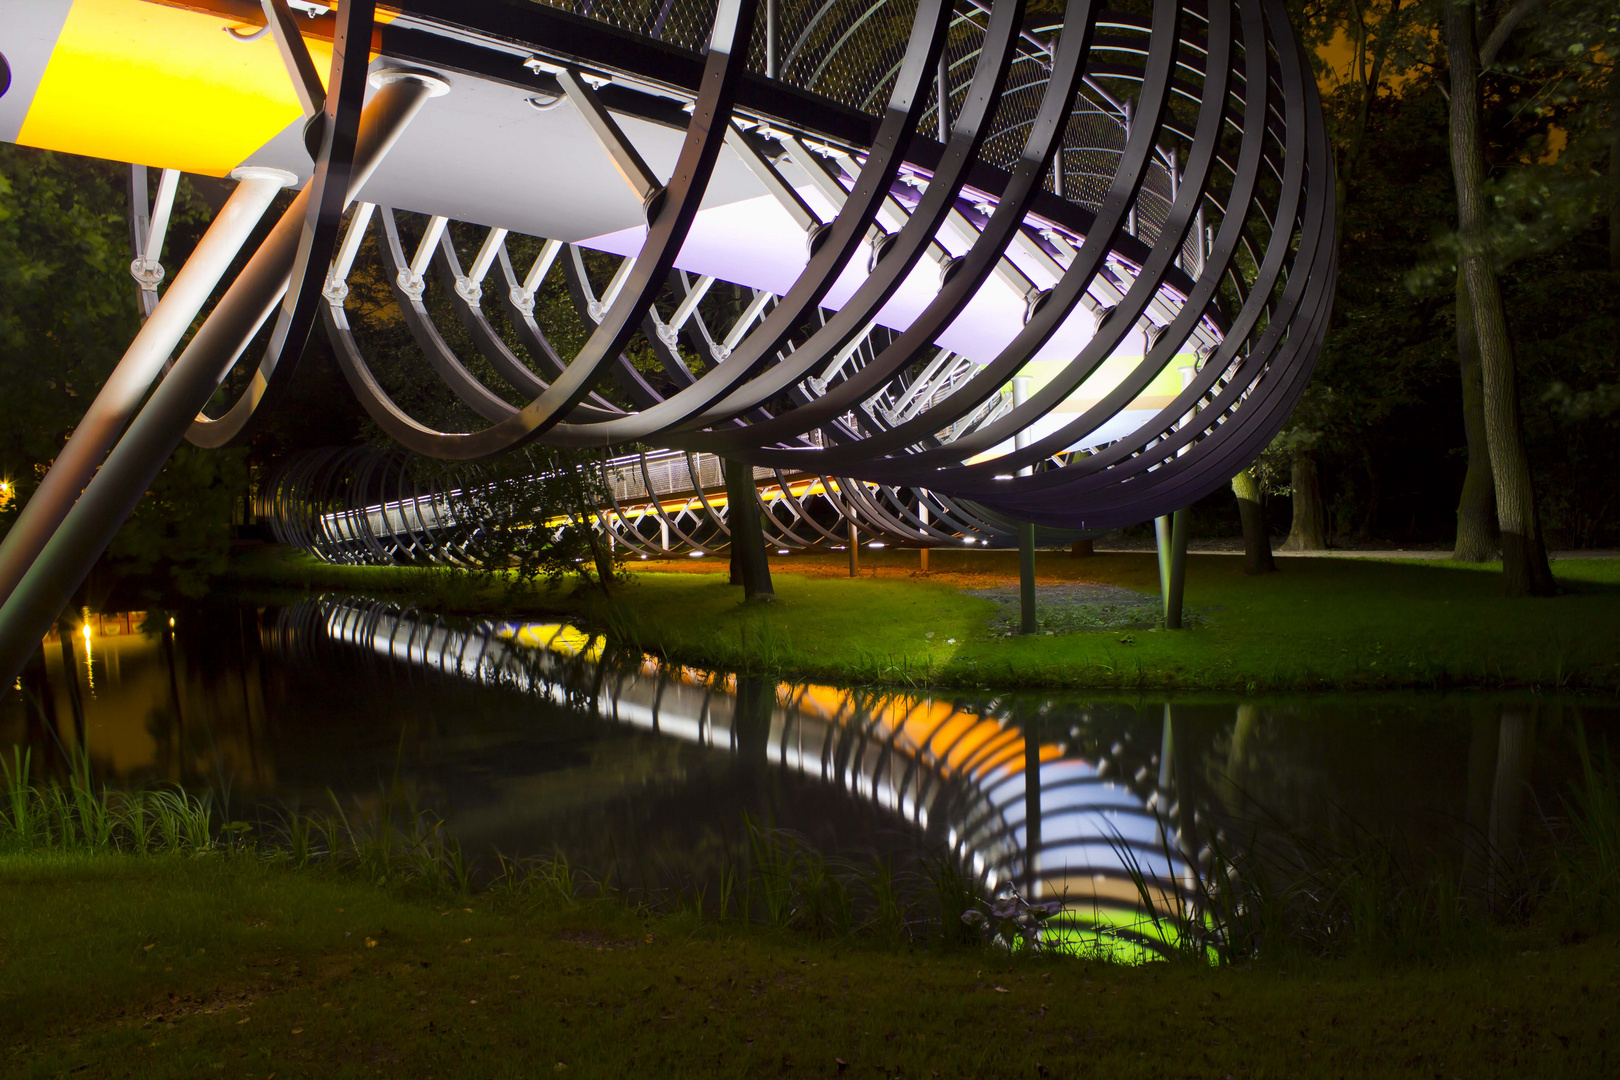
column 148, row 274
column 411, row 284
column 653, row 204
column 1034, row 300
column 335, row 291
column 816, row 236
column 523, row 300
column 881, row 246
column 469, row 290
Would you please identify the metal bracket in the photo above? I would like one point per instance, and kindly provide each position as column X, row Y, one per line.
column 470, row 286
column 581, row 90
column 740, row 328
column 336, row 289
column 411, row 281
column 669, row 333
column 599, row 307
column 779, row 188
column 149, row 234
column 306, row 79
column 523, row 296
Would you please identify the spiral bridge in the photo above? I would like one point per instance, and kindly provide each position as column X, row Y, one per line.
column 986, row 270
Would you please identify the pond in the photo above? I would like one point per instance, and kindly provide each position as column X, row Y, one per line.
column 530, row 738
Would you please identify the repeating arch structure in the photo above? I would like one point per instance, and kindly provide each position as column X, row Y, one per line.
column 1037, row 816
column 1075, row 275
column 1153, row 333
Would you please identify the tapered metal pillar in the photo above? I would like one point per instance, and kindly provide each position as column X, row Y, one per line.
column 922, row 516
column 251, row 299
column 1026, row 531
column 1026, row 578
column 1171, row 533
column 142, row 363
column 854, row 547
column 750, row 566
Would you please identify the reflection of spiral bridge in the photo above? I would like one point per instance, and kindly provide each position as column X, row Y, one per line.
column 967, row 779
column 924, row 303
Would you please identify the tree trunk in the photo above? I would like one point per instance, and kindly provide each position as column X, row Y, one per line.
column 1614, row 170
column 594, row 526
column 1525, row 571
column 1256, row 534
column 1309, row 531
column 749, row 565
column 1476, row 508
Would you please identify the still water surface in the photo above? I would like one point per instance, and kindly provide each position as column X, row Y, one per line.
column 528, row 740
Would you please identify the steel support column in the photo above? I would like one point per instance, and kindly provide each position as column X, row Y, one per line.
column 142, row 363
column 353, row 148
column 1171, row 533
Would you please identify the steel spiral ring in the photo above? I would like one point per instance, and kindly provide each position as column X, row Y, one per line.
column 1226, row 280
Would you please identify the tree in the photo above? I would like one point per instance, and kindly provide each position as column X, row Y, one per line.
column 1257, row 558
column 527, row 514
column 1380, row 35
column 1476, row 506
column 1525, row 569
column 67, row 312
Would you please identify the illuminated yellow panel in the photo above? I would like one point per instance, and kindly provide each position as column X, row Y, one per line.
column 154, row 85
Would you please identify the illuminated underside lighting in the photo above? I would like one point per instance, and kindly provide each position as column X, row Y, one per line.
column 783, row 551
column 695, row 554
column 875, row 544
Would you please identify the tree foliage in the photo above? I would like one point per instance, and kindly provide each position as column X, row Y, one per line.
column 67, row 312
column 528, row 514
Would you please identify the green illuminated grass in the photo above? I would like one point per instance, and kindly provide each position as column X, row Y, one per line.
column 1322, row 623
column 173, row 966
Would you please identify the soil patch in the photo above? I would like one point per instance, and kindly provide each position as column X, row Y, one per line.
column 1069, row 608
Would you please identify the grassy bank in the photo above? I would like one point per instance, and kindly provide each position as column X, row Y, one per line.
column 202, row 966
column 1321, row 623
column 144, row 939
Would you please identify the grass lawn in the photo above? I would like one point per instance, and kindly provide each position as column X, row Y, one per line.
column 178, row 966
column 1321, row 623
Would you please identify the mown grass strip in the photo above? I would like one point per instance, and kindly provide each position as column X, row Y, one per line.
column 182, row 966
column 1322, row 623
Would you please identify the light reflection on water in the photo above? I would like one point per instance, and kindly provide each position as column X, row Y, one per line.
column 528, row 739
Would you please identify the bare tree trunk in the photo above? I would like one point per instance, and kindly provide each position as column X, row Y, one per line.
column 1256, row 535
column 1476, row 508
column 1309, row 532
column 1614, row 169
column 1525, row 571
